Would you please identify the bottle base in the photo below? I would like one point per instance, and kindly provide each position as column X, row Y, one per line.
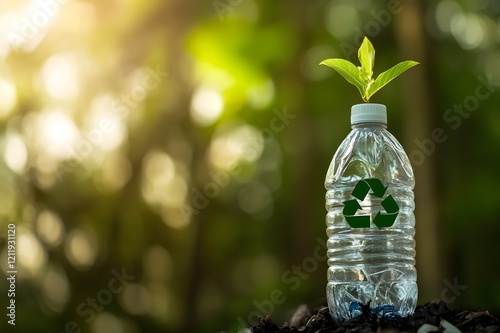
column 348, row 300
column 385, row 310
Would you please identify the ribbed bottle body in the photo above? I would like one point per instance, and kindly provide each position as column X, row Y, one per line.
column 370, row 264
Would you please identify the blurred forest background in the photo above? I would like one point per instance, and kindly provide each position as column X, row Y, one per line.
column 183, row 145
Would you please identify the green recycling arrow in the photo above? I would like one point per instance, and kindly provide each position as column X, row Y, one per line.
column 360, row 191
column 392, row 209
column 359, row 221
column 363, row 187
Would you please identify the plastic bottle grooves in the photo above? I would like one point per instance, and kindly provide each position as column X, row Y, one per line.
column 370, row 264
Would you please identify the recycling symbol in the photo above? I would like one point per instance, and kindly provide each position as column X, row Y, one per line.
column 381, row 220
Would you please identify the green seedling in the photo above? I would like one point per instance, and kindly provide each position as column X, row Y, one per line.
column 362, row 76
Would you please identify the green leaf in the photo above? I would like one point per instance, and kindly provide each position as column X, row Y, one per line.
column 387, row 76
column 362, row 76
column 366, row 55
column 348, row 70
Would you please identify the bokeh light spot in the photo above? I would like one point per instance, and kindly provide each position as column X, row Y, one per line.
column 445, row 11
column 136, row 299
column 255, row 198
column 80, row 249
column 50, row 228
column 233, row 145
column 158, row 263
column 340, row 20
column 15, row 153
column 56, row 289
column 161, row 300
column 115, row 173
column 107, row 323
column 57, row 134
column 176, row 218
column 159, row 167
column 162, row 185
column 468, row 30
column 60, row 76
column 32, row 258
column 206, row 106
column 105, row 125
column 8, row 98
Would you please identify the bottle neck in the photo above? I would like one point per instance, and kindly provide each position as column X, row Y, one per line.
column 372, row 125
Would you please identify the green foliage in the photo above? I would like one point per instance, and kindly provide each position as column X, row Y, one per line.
column 348, row 70
column 123, row 201
column 387, row 76
column 362, row 76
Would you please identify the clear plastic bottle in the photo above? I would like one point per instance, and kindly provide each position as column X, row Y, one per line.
column 376, row 263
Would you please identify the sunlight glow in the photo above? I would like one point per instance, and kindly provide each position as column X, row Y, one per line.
column 7, row 20
column 8, row 98
column 15, row 153
column 206, row 106
column 60, row 75
column 233, row 145
column 56, row 134
column 86, row 13
column 24, row 26
column 105, row 125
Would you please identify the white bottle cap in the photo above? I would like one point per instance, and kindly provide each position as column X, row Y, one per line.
column 368, row 113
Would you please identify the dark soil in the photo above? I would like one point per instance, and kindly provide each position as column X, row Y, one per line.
column 433, row 313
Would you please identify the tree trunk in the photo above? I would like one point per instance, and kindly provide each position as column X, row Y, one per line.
column 420, row 120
